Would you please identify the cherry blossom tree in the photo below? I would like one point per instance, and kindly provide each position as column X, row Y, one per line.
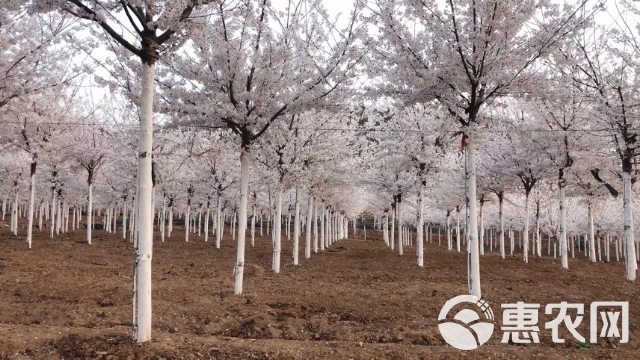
column 465, row 54
column 254, row 65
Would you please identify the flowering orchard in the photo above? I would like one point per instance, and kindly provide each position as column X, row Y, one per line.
column 504, row 126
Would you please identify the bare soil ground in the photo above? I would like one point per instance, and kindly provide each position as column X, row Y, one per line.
column 65, row 299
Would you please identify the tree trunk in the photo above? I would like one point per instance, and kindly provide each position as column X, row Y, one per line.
column 296, row 229
column 278, row 231
column 187, row 222
column 526, row 228
column 170, row 226
column 315, row 226
column 219, row 223
column 144, row 218
column 472, row 236
column 53, row 213
column 307, row 245
column 592, row 235
column 562, row 229
column 400, row 249
column 244, row 194
column 32, row 195
column 90, row 210
column 449, row 235
column 630, row 257
column 206, row 224
column 458, row 237
column 481, row 241
column 419, row 227
column 322, row 226
column 385, row 228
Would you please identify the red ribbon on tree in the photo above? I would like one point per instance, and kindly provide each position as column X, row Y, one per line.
column 463, row 143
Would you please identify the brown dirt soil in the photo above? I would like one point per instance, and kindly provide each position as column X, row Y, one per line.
column 65, row 299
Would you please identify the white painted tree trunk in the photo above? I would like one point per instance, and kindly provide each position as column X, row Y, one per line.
column 511, row 242
column 419, row 247
column 233, row 226
column 385, row 228
column 458, row 237
column 124, row 220
column 481, row 241
column 170, row 226
column 289, row 224
column 253, row 225
column 199, row 222
column 322, row 225
column 329, row 229
column 393, row 228
column 592, row 235
column 278, row 231
column 472, row 236
column 144, row 218
column 206, row 224
column 630, row 257
column 501, row 240
column 562, row 232
column 186, row 221
column 400, row 247
column 244, row 195
column 315, row 226
column 53, row 212
column 89, row 213
column 219, row 223
column 449, row 237
column 526, row 228
column 73, row 222
column 32, row 195
column 538, row 238
column 296, row 230
column 307, row 243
